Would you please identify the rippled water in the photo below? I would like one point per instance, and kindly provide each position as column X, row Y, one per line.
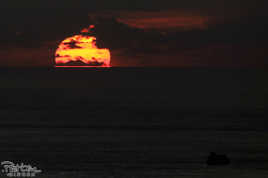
column 100, row 147
column 134, row 122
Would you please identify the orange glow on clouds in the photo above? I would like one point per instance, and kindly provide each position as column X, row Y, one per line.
column 164, row 20
column 82, row 48
column 87, row 30
column 180, row 23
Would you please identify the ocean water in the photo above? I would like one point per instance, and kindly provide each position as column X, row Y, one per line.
column 135, row 122
column 178, row 146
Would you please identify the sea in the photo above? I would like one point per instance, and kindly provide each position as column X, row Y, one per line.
column 134, row 122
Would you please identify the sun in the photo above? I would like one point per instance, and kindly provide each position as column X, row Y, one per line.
column 81, row 50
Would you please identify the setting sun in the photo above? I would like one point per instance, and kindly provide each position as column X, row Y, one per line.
column 81, row 50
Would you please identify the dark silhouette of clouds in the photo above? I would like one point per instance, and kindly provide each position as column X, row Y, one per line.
column 31, row 38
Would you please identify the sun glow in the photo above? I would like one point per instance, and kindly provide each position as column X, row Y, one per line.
column 81, row 50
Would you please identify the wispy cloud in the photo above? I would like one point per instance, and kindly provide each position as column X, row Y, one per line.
column 168, row 20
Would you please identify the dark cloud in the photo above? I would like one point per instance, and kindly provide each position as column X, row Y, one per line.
column 138, row 38
column 31, row 26
column 222, row 6
column 165, row 20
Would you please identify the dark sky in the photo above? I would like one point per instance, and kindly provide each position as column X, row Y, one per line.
column 225, row 33
column 139, row 4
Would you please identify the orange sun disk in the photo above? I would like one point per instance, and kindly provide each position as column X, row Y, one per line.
column 81, row 49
